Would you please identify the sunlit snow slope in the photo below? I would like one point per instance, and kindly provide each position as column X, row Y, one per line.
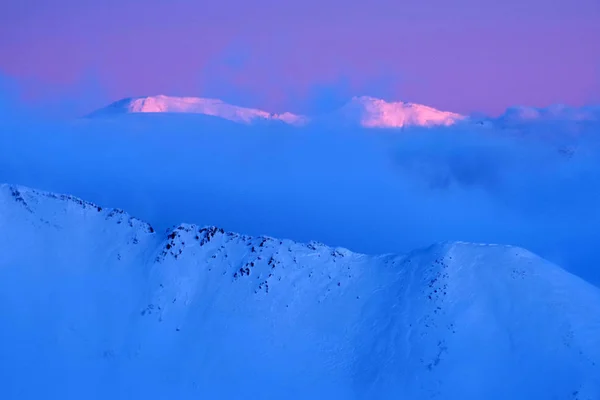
column 195, row 105
column 96, row 305
column 368, row 112
column 371, row 112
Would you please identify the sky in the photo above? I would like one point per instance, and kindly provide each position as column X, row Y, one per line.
column 462, row 56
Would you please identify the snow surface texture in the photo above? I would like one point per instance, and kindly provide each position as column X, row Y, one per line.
column 360, row 111
column 97, row 305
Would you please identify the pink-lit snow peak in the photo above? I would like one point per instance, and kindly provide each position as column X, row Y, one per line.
column 363, row 111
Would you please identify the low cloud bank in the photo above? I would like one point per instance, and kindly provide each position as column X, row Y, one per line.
column 373, row 191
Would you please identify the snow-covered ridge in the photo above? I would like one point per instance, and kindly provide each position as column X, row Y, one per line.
column 195, row 105
column 371, row 112
column 36, row 202
column 364, row 111
column 360, row 111
column 103, row 302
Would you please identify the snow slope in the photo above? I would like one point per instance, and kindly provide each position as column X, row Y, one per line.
column 95, row 304
column 371, row 112
column 195, row 105
column 362, row 111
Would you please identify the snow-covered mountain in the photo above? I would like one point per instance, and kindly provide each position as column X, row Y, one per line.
column 371, row 112
column 96, row 304
column 362, row 111
column 195, row 105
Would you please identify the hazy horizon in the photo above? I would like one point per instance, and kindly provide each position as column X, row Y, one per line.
column 467, row 57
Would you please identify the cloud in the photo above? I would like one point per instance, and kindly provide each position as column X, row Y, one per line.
column 373, row 191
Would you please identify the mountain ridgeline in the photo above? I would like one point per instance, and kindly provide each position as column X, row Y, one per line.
column 359, row 111
column 96, row 304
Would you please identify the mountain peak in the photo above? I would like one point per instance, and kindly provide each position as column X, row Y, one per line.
column 372, row 112
column 185, row 312
column 195, row 105
column 365, row 111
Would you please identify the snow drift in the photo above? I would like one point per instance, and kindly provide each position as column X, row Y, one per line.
column 96, row 304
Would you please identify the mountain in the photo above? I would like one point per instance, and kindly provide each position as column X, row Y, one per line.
column 371, row 112
column 362, row 111
column 96, row 305
column 195, row 105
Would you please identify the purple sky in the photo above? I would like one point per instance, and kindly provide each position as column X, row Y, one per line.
column 461, row 55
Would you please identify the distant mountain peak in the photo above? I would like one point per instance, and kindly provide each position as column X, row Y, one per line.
column 365, row 111
column 372, row 112
column 195, row 105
